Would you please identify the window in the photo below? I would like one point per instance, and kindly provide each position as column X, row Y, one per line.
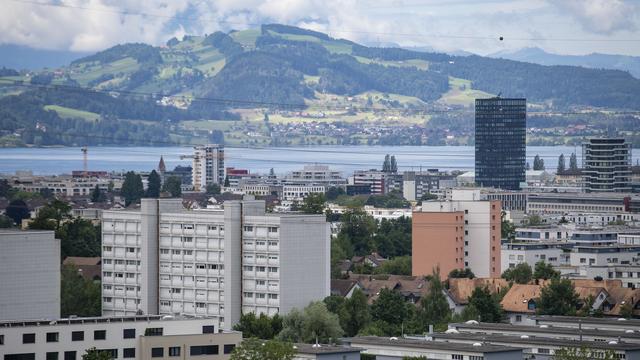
column 272, row 229
column 77, row 336
column 273, row 296
column 153, row 332
column 476, row 357
column 113, row 353
column 129, row 352
column 25, row 356
column 543, row 351
column 52, row 337
column 1, row 339
column 208, row 329
column 52, row 356
column 273, row 269
column 204, row 350
column 518, row 318
column 129, row 333
column 457, row 357
column 99, row 334
column 174, row 351
column 157, row 352
column 131, row 250
column 228, row 348
column 28, row 338
column 248, row 228
column 69, row 355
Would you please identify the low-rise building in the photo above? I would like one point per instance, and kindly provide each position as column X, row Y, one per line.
column 325, row 352
column 531, row 253
column 562, row 203
column 133, row 337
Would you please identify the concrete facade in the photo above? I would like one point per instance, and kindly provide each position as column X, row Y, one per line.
column 29, row 275
column 208, row 166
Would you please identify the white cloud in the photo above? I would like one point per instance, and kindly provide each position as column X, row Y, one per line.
column 602, row 16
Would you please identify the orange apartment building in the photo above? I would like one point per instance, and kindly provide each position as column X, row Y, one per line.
column 455, row 234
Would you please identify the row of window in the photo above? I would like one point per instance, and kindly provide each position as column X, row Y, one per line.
column 249, row 295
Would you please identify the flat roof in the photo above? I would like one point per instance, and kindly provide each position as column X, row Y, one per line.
column 429, row 345
column 94, row 320
column 548, row 330
column 589, row 320
column 324, row 349
column 535, row 340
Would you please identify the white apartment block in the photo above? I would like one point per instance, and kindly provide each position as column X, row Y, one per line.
column 530, row 253
column 136, row 337
column 315, row 174
column 377, row 180
column 582, row 256
column 299, row 192
column 215, row 263
column 208, row 166
column 29, row 275
column 66, row 185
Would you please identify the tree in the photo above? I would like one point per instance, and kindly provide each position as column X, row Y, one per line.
column 561, row 164
column 46, row 193
column 314, row 203
column 213, row 189
column 79, row 296
column 154, row 184
column 97, row 195
column 534, row 220
column 226, row 181
column 573, row 162
column 520, row 274
column 428, row 196
column 538, row 163
column 583, row 353
column 356, row 232
column 626, row 310
column 333, row 192
column 17, row 210
column 255, row 349
column 487, row 305
column 354, row 313
column 132, row 188
column 173, row 185
column 558, row 298
column 386, row 165
column 544, row 271
column 6, row 190
column 334, row 303
column 393, row 237
column 400, row 265
column 435, row 308
column 464, row 273
column 393, row 166
column 315, row 322
column 262, row 327
column 5, row 222
column 389, row 311
column 508, row 230
column 95, row 354
column 79, row 237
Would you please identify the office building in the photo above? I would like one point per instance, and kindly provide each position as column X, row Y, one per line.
column 315, row 174
column 606, row 165
column 163, row 259
column 29, row 275
column 208, row 166
column 375, row 179
column 135, row 337
column 560, row 204
column 463, row 232
column 500, row 142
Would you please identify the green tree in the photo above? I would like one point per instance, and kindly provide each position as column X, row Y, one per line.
column 314, row 203
column 213, row 189
column 393, row 237
column 538, row 163
column 393, row 166
column 573, row 162
column 334, row 303
column 486, row 304
column 356, row 232
column 354, row 313
column 17, row 210
column 79, row 296
column 333, row 192
column 173, row 185
column 558, row 298
column 389, row 311
column 97, row 195
column 255, row 349
column 544, row 271
column 226, row 181
column 435, row 308
column 534, row 220
column 5, row 222
column 95, row 354
column 508, row 230
column 46, row 193
column 262, row 327
column 386, row 165
column 79, row 237
column 132, row 188
column 314, row 322
column 400, row 265
column 464, row 273
column 51, row 215
column 6, row 190
column 428, row 197
column 154, row 184
column 520, row 274
column 583, row 353
column 561, row 164
column 626, row 310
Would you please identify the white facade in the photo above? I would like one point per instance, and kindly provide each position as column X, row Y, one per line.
column 208, row 166
column 517, row 253
column 29, row 275
column 299, row 192
column 315, row 174
column 582, row 256
column 374, row 178
column 166, row 260
column 123, row 337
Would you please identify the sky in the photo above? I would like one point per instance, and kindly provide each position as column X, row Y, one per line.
column 561, row 26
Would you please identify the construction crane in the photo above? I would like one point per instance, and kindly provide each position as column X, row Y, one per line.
column 84, row 161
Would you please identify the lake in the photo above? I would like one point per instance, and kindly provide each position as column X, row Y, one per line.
column 260, row 160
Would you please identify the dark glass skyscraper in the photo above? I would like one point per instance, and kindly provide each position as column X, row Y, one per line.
column 501, row 142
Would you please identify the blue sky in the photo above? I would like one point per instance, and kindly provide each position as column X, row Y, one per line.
column 562, row 26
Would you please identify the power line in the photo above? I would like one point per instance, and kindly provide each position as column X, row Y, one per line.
column 499, row 38
column 228, row 101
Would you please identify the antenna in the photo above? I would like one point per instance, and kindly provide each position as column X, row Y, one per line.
column 84, row 161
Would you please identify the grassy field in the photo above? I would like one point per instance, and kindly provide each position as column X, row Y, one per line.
column 246, row 37
column 70, row 113
column 461, row 93
column 420, row 64
column 208, row 125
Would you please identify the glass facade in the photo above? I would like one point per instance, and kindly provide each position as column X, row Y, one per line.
column 500, row 142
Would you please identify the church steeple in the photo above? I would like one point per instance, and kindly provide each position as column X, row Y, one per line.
column 161, row 166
